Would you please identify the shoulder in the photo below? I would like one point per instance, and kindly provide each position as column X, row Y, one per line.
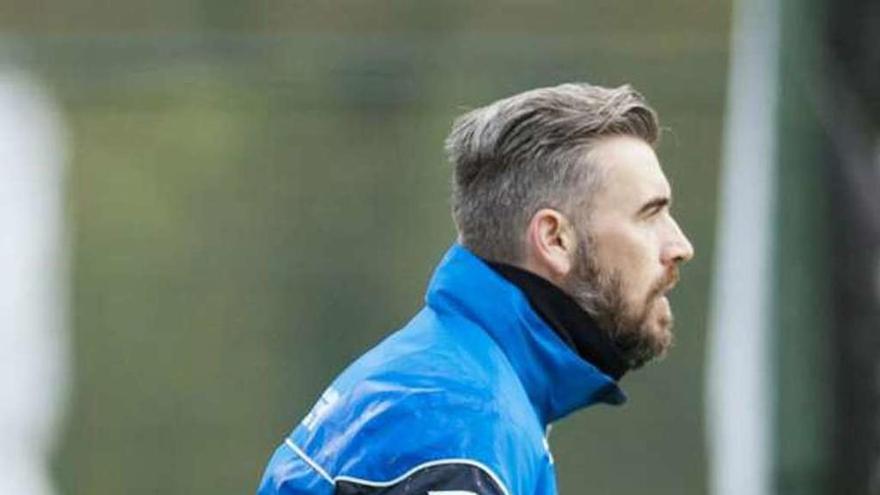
column 424, row 423
column 435, row 405
column 385, row 436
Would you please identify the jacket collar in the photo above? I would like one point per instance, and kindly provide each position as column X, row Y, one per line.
column 563, row 315
column 556, row 379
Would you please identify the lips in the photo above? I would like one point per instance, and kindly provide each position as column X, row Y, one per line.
column 664, row 285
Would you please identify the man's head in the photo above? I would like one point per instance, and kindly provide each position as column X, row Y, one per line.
column 564, row 182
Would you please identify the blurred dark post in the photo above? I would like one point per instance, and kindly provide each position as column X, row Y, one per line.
column 802, row 305
column 851, row 118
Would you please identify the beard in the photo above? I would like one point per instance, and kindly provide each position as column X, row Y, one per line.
column 639, row 334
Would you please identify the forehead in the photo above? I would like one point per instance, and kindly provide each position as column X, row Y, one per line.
column 631, row 173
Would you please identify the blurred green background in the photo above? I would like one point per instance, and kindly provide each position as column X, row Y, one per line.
column 258, row 194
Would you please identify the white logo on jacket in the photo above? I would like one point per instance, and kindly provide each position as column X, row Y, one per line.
column 328, row 398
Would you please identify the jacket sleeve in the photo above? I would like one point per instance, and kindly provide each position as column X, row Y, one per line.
column 457, row 477
column 290, row 473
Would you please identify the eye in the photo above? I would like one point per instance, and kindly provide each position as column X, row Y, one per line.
column 654, row 207
column 653, row 212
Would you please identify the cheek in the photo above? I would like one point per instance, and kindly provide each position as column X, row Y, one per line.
column 628, row 253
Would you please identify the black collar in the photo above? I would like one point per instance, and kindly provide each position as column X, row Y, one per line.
column 573, row 325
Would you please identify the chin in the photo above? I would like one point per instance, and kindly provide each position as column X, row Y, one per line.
column 660, row 328
column 663, row 338
column 649, row 341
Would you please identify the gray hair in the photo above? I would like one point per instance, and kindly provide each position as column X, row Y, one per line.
column 518, row 155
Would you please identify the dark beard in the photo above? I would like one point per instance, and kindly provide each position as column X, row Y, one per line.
column 601, row 295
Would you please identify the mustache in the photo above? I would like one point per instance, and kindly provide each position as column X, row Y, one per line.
column 664, row 284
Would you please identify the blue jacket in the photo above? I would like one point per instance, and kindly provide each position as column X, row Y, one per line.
column 456, row 402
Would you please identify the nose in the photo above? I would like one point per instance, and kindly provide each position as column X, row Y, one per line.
column 678, row 249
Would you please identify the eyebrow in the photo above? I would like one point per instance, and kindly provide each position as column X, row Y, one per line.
column 655, row 205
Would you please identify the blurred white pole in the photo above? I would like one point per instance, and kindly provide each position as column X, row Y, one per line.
column 33, row 341
column 740, row 382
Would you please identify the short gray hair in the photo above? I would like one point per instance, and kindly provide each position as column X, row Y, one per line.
column 523, row 153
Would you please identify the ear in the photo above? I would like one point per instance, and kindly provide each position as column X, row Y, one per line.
column 551, row 243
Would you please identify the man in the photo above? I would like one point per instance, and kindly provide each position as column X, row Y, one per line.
column 555, row 288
